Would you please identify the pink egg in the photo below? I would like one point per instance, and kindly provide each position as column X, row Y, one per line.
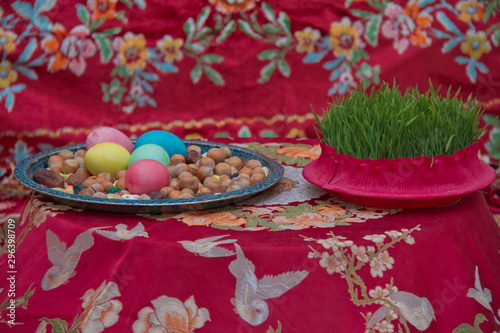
column 146, row 176
column 108, row 134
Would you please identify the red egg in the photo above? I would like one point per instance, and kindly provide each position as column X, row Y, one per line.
column 108, row 134
column 146, row 176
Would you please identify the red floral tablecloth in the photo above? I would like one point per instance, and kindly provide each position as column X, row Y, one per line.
column 291, row 259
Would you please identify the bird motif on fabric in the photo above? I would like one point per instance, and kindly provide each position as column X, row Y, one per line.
column 251, row 293
column 417, row 310
column 123, row 234
column 208, row 247
column 64, row 259
column 482, row 296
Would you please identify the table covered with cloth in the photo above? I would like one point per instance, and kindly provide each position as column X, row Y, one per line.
column 290, row 259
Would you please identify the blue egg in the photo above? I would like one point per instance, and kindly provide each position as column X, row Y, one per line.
column 168, row 141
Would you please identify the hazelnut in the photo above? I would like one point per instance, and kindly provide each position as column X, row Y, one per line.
column 70, row 165
column 234, row 187
column 96, row 188
column 88, row 182
column 101, row 195
column 233, row 170
column 245, row 182
column 101, row 179
column 66, row 154
column 245, row 170
column 74, row 179
column 144, row 197
column 175, row 184
column 192, row 156
column 258, row 170
column 185, row 196
column 107, row 185
column 81, row 161
column 258, row 177
column 108, row 176
column 180, row 168
column 55, row 159
column 206, row 161
column 82, row 171
column 171, row 171
column 226, row 151
column 235, row 161
column 185, row 174
column 120, row 183
column 166, row 190
column 176, row 159
column 223, row 169
column 190, row 182
column 187, row 190
column 174, row 194
column 252, row 164
column 194, row 167
column 86, row 192
column 204, row 190
column 56, row 167
column 217, row 155
column 211, row 182
column 227, row 182
column 120, row 174
column 204, row 172
column 80, row 153
column 195, row 148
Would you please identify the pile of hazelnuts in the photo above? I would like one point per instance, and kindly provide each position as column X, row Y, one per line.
column 217, row 171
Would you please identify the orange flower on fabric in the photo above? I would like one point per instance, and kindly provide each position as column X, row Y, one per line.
column 132, row 51
column 204, row 218
column 169, row 314
column 475, row 44
column 422, row 21
column 7, row 74
column 170, row 47
column 103, row 8
column 470, row 10
column 306, row 39
column 7, row 40
column 301, row 152
column 233, row 6
column 344, row 38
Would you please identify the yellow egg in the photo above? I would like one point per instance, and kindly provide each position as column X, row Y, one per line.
column 106, row 157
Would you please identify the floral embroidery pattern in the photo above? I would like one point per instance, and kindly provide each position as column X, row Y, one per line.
column 345, row 258
column 171, row 315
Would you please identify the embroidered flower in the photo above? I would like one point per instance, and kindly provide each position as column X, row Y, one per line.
column 470, row 10
column 312, row 153
column 68, row 50
column 204, row 218
column 258, row 211
column 405, row 25
column 132, row 51
column 171, row 315
column 333, row 263
column 333, row 211
column 344, row 38
column 170, row 47
column 303, row 221
column 329, row 243
column 384, row 327
column 7, row 40
column 378, row 292
column 306, row 39
column 375, row 238
column 7, row 74
column 377, row 268
column 385, row 259
column 102, row 8
column 475, row 44
column 233, row 6
column 101, row 310
column 360, row 253
column 394, row 233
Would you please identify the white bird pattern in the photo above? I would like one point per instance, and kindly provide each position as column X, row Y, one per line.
column 482, row 296
column 64, row 259
column 208, row 247
column 123, row 234
column 417, row 310
column 251, row 293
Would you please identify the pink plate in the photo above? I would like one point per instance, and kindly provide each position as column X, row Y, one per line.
column 402, row 182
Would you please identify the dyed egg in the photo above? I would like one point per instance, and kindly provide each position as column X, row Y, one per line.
column 108, row 134
column 168, row 141
column 106, row 157
column 149, row 151
column 146, row 176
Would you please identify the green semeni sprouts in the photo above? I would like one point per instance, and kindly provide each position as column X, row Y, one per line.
column 387, row 124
